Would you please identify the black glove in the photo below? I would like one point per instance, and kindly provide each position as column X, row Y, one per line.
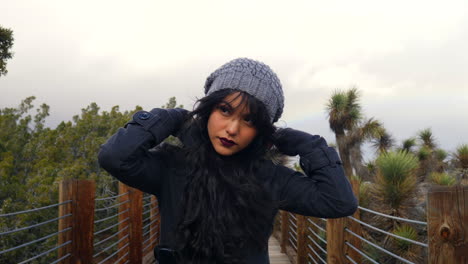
column 172, row 121
column 178, row 116
column 294, row 142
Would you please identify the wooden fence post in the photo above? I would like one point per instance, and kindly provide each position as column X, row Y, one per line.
column 124, row 220
column 355, row 227
column 82, row 195
column 301, row 240
column 447, row 224
column 335, row 240
column 134, row 222
column 284, row 230
column 136, row 226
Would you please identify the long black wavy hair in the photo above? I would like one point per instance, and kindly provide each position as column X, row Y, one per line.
column 225, row 210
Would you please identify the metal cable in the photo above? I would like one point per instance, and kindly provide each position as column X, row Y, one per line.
column 46, row 252
column 311, row 258
column 107, row 228
column 111, row 197
column 149, row 210
column 393, row 217
column 316, row 244
column 292, row 244
column 293, row 216
column 292, row 230
column 149, row 243
column 291, row 237
column 109, row 237
column 35, row 241
column 111, row 246
column 112, row 206
column 152, row 222
column 350, row 259
column 113, row 254
column 292, row 223
column 36, row 209
column 360, row 252
column 314, row 224
column 112, row 216
column 316, row 235
column 388, row 233
column 378, row 247
column 35, row 225
column 60, row 259
column 122, row 257
column 146, row 219
column 144, row 242
column 316, row 254
column 295, row 237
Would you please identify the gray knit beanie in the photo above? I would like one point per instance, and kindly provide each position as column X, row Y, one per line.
column 253, row 77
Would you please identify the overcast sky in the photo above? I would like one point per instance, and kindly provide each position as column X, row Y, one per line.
column 408, row 58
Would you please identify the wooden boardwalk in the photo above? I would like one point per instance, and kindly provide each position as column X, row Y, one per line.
column 276, row 257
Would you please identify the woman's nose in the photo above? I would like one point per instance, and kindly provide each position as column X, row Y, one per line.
column 232, row 127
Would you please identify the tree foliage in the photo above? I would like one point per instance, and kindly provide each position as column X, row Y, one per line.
column 35, row 158
column 6, row 43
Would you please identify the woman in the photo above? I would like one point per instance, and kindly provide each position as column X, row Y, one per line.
column 218, row 192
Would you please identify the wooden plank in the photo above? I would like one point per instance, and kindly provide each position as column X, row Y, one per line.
column 65, row 194
column 335, row 241
column 301, row 240
column 123, row 214
column 447, row 215
column 355, row 227
column 136, row 226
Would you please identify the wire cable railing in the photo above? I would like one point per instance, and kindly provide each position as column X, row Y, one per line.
column 378, row 247
column 392, row 217
column 35, row 225
column 111, row 197
column 360, row 252
column 46, row 252
column 35, row 241
column 35, row 209
column 388, row 233
column 316, row 241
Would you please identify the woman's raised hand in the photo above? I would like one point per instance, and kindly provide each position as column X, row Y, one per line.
column 294, row 142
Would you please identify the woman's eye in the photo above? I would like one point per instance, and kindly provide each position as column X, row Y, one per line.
column 223, row 109
column 248, row 120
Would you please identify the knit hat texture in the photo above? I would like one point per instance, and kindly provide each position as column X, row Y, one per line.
column 253, row 77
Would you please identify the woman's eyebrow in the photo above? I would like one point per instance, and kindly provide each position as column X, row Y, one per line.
column 226, row 104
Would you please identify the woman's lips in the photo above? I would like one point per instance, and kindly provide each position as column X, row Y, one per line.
column 226, row 142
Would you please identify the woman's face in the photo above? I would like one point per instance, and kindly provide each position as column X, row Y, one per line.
column 230, row 128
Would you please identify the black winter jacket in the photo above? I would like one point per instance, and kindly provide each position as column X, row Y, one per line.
column 130, row 156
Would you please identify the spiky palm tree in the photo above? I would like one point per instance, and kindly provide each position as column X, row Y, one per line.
column 368, row 129
column 344, row 113
column 428, row 161
column 409, row 144
column 460, row 160
column 427, row 139
column 383, row 141
column 351, row 130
